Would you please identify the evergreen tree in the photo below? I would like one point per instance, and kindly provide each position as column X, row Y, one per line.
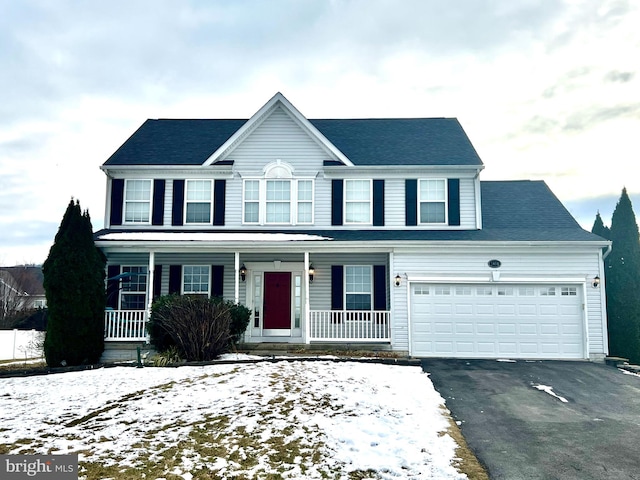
column 623, row 282
column 74, row 275
column 599, row 228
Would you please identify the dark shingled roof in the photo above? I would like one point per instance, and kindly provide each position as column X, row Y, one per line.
column 377, row 141
column 513, row 211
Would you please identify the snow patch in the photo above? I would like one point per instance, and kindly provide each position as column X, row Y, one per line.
column 211, row 237
column 506, row 360
column 357, row 416
column 549, row 390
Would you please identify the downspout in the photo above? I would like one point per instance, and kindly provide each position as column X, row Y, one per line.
column 606, row 254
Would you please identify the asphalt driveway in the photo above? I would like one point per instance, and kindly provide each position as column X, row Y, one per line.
column 521, row 432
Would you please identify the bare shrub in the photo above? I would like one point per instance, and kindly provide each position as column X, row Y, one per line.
column 198, row 326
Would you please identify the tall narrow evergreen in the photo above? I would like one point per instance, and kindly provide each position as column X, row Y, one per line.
column 623, row 282
column 599, row 227
column 74, row 275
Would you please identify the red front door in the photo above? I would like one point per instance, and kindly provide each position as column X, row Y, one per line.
column 276, row 306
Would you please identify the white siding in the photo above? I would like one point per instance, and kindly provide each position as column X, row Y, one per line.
column 278, row 137
column 542, row 264
column 467, row 203
column 320, row 289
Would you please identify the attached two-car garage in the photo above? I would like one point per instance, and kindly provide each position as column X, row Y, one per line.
column 497, row 321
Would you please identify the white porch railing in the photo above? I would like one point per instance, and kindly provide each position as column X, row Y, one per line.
column 349, row 325
column 125, row 325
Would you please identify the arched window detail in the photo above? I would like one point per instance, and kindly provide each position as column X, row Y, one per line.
column 278, row 198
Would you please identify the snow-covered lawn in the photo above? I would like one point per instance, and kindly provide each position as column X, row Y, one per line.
column 300, row 419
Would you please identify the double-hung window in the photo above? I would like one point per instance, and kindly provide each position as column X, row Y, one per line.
column 358, row 201
column 252, row 201
column 432, row 196
column 305, row 201
column 278, row 201
column 133, row 294
column 358, row 287
column 137, row 201
column 196, row 279
column 198, row 204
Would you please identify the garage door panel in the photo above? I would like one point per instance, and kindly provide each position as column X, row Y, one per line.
column 507, row 329
column 488, row 321
column 463, row 309
column 463, row 328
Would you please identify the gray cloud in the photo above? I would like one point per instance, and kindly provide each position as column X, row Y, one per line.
column 589, row 117
column 619, row 77
column 54, row 53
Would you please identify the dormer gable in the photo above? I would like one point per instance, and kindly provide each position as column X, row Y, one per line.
column 277, row 101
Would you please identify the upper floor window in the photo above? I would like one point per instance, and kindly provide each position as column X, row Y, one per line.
column 198, row 201
column 432, row 195
column 137, row 201
column 195, row 279
column 358, row 201
column 358, row 287
column 278, row 198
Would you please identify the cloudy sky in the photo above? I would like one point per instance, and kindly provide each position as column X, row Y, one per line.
column 545, row 89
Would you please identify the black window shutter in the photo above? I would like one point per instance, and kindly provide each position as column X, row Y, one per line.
column 337, row 287
column 117, row 198
column 157, row 217
column 217, row 280
column 411, row 202
column 113, row 286
column 378, row 203
column 453, row 189
column 178, row 202
column 157, row 281
column 379, row 287
column 175, row 279
column 336, row 202
column 219, row 201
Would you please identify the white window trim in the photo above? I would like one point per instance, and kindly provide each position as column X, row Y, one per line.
column 125, row 201
column 345, row 201
column 208, row 292
column 121, row 290
column 186, row 190
column 344, row 283
column 446, row 202
column 293, row 200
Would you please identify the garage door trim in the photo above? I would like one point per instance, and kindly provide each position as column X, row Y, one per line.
column 580, row 283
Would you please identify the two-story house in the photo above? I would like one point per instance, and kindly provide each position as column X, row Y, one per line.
column 349, row 230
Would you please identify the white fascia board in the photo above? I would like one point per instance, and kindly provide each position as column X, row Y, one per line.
column 404, row 171
column 167, row 171
column 260, row 115
column 418, row 246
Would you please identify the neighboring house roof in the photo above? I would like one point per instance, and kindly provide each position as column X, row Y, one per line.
column 376, row 141
column 515, row 211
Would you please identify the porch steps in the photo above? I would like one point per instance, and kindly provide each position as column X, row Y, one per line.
column 272, row 349
column 115, row 352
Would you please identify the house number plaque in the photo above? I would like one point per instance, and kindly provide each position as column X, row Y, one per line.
column 494, row 263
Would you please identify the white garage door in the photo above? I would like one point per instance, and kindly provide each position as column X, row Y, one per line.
column 496, row 321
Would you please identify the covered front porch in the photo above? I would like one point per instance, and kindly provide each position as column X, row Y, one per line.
column 302, row 297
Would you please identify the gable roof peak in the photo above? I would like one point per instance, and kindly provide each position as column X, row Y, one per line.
column 277, row 100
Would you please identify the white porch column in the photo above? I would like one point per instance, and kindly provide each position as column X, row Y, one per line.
column 150, row 282
column 237, row 278
column 307, row 314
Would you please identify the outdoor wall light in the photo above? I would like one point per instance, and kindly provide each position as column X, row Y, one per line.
column 243, row 273
column 596, row 281
column 398, row 280
column 312, row 272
